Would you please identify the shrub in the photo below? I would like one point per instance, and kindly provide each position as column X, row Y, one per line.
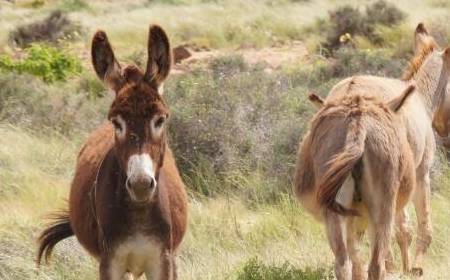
column 91, row 86
column 382, row 12
column 234, row 126
column 37, row 3
column 227, row 66
column 254, row 269
column 346, row 22
column 320, row 75
column 45, row 62
column 343, row 20
column 379, row 62
column 231, row 117
column 74, row 5
column 57, row 26
column 30, row 103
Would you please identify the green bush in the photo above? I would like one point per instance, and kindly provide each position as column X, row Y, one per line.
column 74, row 5
column 45, row 62
column 254, row 269
column 37, row 3
column 346, row 22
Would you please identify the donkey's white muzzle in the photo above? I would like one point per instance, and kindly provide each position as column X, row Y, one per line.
column 141, row 182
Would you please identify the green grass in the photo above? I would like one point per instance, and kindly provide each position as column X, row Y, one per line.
column 223, row 232
column 228, row 238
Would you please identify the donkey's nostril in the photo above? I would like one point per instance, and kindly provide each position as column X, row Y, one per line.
column 152, row 183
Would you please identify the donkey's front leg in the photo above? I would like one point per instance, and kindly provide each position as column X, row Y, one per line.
column 164, row 270
column 112, row 271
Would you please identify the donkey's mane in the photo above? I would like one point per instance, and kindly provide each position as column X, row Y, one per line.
column 416, row 62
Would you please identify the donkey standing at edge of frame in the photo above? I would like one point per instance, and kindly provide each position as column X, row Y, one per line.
column 128, row 204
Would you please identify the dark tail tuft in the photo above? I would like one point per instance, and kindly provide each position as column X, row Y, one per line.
column 55, row 232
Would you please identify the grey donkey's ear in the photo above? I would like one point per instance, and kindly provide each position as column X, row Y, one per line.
column 423, row 39
column 159, row 57
column 316, row 100
column 397, row 102
column 105, row 64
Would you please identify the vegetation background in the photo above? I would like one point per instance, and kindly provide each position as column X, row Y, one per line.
column 239, row 109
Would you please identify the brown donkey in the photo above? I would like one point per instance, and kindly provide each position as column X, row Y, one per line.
column 356, row 134
column 428, row 70
column 128, row 205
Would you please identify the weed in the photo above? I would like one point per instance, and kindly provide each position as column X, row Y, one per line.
column 43, row 61
column 254, row 269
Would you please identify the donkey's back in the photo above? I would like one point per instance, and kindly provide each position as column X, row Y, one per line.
column 413, row 114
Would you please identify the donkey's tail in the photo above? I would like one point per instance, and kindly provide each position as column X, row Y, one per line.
column 340, row 167
column 55, row 232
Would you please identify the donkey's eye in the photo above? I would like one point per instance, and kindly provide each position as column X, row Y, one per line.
column 160, row 121
column 134, row 137
column 117, row 125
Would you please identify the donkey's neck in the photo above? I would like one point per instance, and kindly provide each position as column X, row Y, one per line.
column 430, row 83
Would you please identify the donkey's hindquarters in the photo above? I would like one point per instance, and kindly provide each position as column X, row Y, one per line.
column 356, row 135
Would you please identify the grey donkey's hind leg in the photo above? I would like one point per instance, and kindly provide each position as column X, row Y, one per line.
column 354, row 239
column 404, row 238
column 424, row 229
column 335, row 227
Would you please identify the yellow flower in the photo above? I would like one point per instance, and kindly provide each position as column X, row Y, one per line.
column 344, row 38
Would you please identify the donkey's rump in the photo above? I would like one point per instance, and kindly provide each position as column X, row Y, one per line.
column 341, row 132
column 327, row 137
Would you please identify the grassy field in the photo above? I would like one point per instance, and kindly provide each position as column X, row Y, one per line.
column 235, row 127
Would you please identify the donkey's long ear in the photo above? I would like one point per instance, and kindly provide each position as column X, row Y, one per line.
column 422, row 39
column 105, row 64
column 159, row 57
column 441, row 115
column 446, row 60
column 316, row 100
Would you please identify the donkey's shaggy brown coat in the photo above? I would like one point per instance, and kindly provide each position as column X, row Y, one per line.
column 128, row 204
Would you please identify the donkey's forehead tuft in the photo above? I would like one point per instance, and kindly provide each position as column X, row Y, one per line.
column 137, row 101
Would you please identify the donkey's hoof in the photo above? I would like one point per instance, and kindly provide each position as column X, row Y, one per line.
column 417, row 271
column 390, row 267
